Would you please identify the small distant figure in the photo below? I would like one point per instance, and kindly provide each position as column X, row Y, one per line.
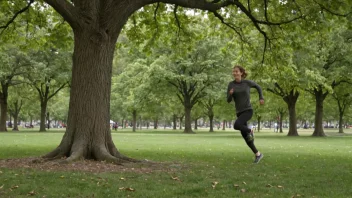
column 114, row 126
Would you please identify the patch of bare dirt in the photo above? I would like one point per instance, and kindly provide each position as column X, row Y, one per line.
column 89, row 166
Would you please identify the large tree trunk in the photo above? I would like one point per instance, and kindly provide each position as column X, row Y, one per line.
column 291, row 100
column 174, row 121
column 223, row 125
column 88, row 132
column 43, row 106
column 319, row 111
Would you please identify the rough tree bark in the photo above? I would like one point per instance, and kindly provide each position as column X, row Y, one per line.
column 96, row 29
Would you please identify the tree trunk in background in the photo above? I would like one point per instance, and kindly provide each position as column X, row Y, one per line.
column 211, row 123
column 181, row 119
column 3, row 105
column 10, row 121
column 17, row 110
column 43, row 106
column 48, row 119
column 140, row 123
column 280, row 121
column 319, row 111
column 156, row 123
column 291, row 101
column 174, row 121
column 188, row 120
column 134, row 120
column 223, row 125
column 15, row 125
column 259, row 119
column 341, row 122
column 196, row 124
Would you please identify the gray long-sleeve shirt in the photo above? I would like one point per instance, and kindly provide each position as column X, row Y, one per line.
column 241, row 94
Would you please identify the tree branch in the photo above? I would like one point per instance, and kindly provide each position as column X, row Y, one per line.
column 66, row 10
column 177, row 20
column 61, row 87
column 4, row 27
column 330, row 11
column 230, row 25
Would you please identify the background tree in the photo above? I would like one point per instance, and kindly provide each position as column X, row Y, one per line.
column 48, row 75
column 13, row 62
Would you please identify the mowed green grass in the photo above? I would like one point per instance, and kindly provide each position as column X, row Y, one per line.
column 293, row 166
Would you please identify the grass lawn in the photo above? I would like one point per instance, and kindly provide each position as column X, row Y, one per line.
column 292, row 167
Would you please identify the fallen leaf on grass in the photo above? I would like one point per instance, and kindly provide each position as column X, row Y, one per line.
column 269, row 185
column 243, row 190
column 280, row 186
column 1, row 187
column 62, row 176
column 14, row 187
column 128, row 189
column 122, row 178
column 0, row 172
column 244, row 183
column 214, row 184
column 175, row 178
column 32, row 193
column 236, row 185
